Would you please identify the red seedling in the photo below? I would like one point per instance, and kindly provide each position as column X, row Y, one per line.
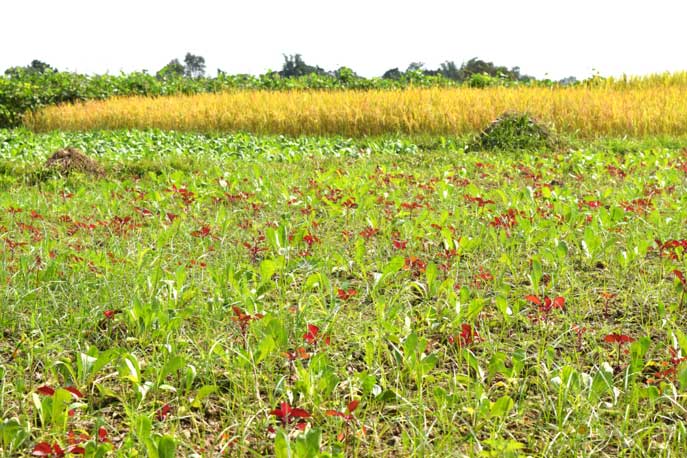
column 203, row 232
column 368, row 232
column 76, row 393
column 344, row 295
column 299, row 353
column 109, row 314
column 506, row 220
column 415, row 265
column 590, row 203
column 580, row 332
column 348, row 417
column 163, row 412
column 620, row 339
column 607, row 297
column 468, row 335
column 73, row 439
column 547, row 305
column 286, row 414
column 143, row 212
column 310, row 239
column 243, row 319
column 102, row 435
column 400, row 244
column 312, row 336
column 45, row 449
column 45, row 390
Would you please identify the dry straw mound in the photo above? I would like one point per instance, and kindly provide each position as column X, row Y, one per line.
column 72, row 160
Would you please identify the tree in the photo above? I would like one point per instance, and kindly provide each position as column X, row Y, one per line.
column 568, row 81
column 415, row 66
column 174, row 69
column 477, row 66
column 392, row 74
column 195, row 66
column 449, row 70
column 294, row 65
column 345, row 74
column 36, row 67
column 40, row 67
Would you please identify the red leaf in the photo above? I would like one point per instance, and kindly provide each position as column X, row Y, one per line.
column 611, row 338
column 45, row 390
column 559, row 303
column 74, row 391
column 311, row 335
column 111, row 313
column 76, row 450
column 163, row 412
column 42, row 449
column 400, row 244
column 346, row 294
column 533, row 299
column 680, row 277
column 57, row 450
column 301, row 426
column 300, row 413
column 334, row 413
column 102, row 435
column 352, row 405
column 618, row 338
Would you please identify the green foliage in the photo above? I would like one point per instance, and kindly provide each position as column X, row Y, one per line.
column 515, row 132
column 272, row 296
column 28, row 88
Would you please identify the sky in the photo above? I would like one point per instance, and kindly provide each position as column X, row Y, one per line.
column 545, row 38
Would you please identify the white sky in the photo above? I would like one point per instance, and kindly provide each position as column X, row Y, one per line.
column 553, row 37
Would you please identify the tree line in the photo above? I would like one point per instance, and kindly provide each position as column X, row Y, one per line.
column 294, row 66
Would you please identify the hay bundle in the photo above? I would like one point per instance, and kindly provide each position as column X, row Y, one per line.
column 72, row 160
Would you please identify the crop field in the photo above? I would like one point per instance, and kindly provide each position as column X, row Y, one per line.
column 633, row 110
column 243, row 295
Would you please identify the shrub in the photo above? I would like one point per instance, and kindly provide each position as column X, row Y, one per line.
column 515, row 131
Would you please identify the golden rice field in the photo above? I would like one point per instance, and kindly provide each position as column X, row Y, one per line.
column 631, row 109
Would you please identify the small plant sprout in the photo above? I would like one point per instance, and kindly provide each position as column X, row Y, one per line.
column 620, row 340
column 286, row 414
column 348, row 417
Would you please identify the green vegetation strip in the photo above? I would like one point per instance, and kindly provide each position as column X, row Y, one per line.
column 243, row 296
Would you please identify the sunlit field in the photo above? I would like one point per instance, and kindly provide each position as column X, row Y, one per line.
column 245, row 295
column 635, row 109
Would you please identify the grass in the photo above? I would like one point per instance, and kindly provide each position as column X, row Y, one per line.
column 192, row 302
column 588, row 112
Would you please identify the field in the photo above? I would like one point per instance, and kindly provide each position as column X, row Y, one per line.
column 246, row 295
column 585, row 111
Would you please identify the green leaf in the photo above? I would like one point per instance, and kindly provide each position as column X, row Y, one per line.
column 12, row 435
column 267, row 268
column 166, row 447
column 60, row 407
column 203, row 393
column 173, row 365
column 265, row 347
column 502, row 406
column 681, row 340
column 282, row 447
